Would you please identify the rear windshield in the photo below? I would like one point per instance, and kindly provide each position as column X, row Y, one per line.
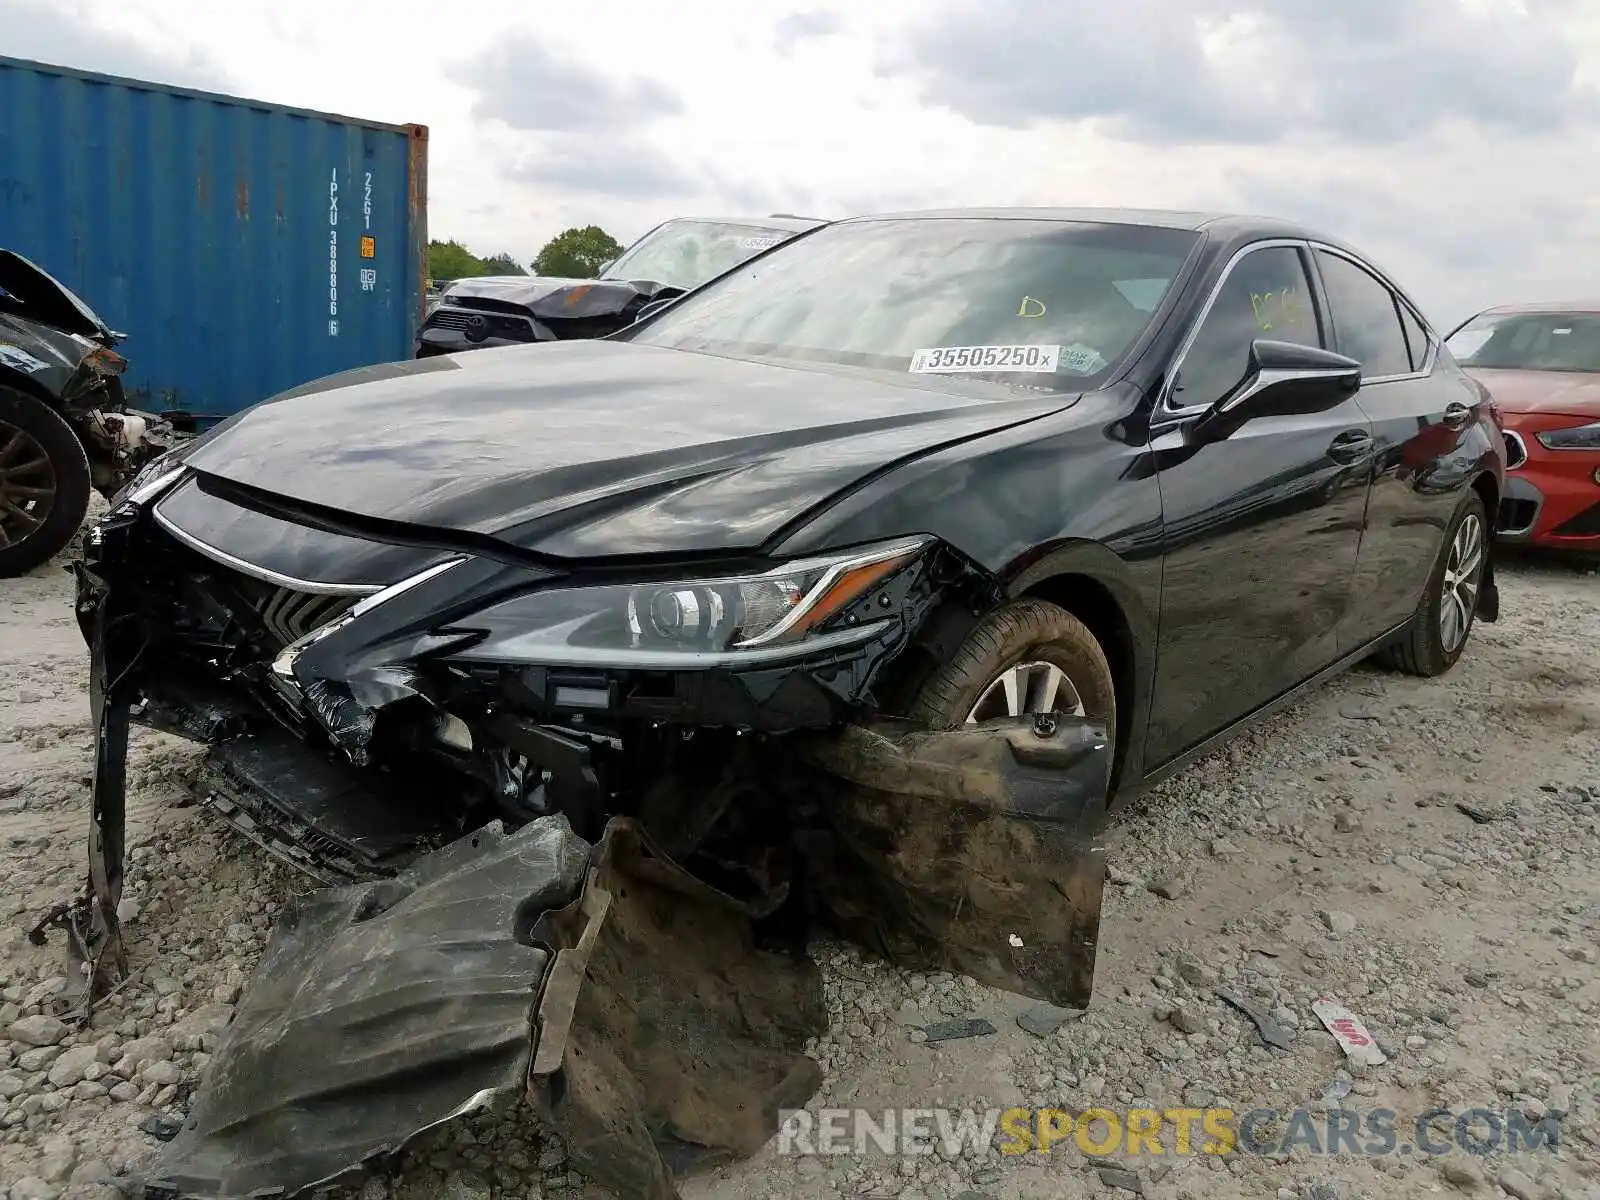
column 1023, row 304
column 1529, row 342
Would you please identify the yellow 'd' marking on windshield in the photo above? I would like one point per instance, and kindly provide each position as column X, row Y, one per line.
column 1037, row 310
column 1283, row 307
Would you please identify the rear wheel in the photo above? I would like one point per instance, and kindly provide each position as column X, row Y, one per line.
column 44, row 483
column 1439, row 629
column 1028, row 657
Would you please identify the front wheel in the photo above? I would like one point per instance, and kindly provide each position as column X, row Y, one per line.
column 1028, row 657
column 1438, row 631
column 44, row 483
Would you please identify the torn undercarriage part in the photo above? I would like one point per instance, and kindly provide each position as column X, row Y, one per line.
column 662, row 1035
column 379, row 1010
column 668, row 1038
column 970, row 850
column 334, row 822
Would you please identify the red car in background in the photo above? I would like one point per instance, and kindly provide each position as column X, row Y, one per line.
column 1541, row 365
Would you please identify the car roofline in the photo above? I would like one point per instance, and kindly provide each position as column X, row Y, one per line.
column 1221, row 223
column 1556, row 308
column 776, row 221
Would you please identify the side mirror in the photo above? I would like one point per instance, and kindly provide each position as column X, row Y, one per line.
column 1285, row 380
column 604, row 267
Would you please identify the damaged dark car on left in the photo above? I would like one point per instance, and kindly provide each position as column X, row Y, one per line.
column 675, row 257
column 65, row 426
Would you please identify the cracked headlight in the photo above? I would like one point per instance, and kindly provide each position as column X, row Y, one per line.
column 797, row 608
column 1581, row 437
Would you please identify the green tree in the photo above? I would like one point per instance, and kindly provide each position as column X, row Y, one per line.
column 452, row 260
column 577, row 253
column 502, row 264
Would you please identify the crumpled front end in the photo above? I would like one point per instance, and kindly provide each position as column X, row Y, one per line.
column 480, row 314
column 584, row 882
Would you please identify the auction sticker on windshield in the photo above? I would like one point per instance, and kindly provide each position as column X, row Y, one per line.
column 951, row 360
column 759, row 243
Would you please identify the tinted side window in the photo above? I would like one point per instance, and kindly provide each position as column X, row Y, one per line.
column 1364, row 313
column 1416, row 338
column 1266, row 295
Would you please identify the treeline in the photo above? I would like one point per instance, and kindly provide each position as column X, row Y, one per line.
column 577, row 253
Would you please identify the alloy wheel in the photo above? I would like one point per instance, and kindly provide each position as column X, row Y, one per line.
column 1459, row 593
column 1029, row 688
column 27, row 485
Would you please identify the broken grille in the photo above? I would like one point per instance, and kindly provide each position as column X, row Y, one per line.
column 290, row 615
column 484, row 324
column 284, row 614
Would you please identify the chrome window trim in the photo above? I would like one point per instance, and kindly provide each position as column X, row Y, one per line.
column 1432, row 358
column 313, row 587
column 1167, row 408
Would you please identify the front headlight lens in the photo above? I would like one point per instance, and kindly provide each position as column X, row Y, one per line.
column 1582, row 437
column 698, row 622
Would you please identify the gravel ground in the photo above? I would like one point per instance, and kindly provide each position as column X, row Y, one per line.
column 1325, row 854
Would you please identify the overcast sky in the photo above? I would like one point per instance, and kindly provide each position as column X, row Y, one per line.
column 1457, row 141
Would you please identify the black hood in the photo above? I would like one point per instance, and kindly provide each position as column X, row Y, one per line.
column 46, row 300
column 593, row 448
column 553, row 299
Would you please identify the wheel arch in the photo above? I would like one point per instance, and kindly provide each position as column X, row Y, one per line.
column 52, row 524
column 1093, row 583
column 1488, row 487
column 17, row 381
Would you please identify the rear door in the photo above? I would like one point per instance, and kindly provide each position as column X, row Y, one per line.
column 1423, row 450
column 1261, row 530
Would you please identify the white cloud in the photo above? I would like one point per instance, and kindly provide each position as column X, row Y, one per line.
column 1451, row 138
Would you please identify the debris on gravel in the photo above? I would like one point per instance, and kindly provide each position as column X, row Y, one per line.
column 1339, row 850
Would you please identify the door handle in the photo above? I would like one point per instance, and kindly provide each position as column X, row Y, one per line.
column 1457, row 414
column 1350, row 446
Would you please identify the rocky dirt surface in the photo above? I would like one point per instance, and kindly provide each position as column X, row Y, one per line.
column 1425, row 852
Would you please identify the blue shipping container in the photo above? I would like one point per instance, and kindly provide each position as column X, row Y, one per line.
column 243, row 247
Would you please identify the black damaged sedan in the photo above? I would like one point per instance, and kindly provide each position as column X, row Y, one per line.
column 857, row 582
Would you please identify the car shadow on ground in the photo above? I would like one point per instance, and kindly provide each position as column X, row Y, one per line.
column 1570, row 562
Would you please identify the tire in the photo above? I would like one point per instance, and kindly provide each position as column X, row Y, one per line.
column 1422, row 649
column 34, row 528
column 1022, row 632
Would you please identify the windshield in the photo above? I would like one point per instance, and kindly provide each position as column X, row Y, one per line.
column 1529, row 342
column 684, row 254
column 1047, row 305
